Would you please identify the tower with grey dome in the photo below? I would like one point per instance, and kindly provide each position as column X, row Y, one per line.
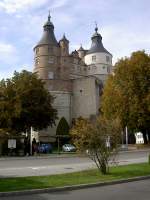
column 97, row 58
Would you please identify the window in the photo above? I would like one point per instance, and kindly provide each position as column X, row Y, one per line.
column 107, row 58
column 93, row 58
column 50, row 75
column 37, row 50
column 94, row 66
column 50, row 49
column 75, row 61
column 64, row 68
column 51, row 60
column 37, row 62
column 108, row 69
column 78, row 68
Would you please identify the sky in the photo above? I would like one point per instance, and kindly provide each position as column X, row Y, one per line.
column 123, row 24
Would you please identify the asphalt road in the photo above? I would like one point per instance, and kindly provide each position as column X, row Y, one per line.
column 30, row 166
column 139, row 190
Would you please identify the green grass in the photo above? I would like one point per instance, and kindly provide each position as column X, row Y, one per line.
column 88, row 176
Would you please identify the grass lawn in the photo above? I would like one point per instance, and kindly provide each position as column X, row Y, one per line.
column 83, row 177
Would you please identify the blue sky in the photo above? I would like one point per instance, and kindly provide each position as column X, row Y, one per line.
column 124, row 26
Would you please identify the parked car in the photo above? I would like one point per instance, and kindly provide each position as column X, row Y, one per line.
column 68, row 148
column 45, row 148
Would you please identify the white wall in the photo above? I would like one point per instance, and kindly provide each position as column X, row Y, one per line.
column 99, row 67
column 100, row 58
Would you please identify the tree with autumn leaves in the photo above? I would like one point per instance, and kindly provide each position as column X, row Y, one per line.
column 125, row 102
column 127, row 93
column 99, row 138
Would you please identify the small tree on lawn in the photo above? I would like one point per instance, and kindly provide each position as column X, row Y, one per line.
column 99, row 138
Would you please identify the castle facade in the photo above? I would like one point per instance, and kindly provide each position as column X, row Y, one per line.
column 75, row 79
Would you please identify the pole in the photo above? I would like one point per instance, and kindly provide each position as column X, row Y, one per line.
column 126, row 137
column 58, row 148
column 31, row 131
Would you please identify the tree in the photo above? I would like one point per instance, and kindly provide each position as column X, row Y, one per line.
column 62, row 131
column 25, row 103
column 63, row 127
column 99, row 138
column 127, row 94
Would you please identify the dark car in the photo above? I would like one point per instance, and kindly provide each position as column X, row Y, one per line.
column 45, row 148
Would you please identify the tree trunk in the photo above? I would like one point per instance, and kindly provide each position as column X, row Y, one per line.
column 103, row 168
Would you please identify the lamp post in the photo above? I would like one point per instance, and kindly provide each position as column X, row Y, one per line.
column 31, row 138
column 126, row 130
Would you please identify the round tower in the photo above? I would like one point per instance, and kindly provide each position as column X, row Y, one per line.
column 98, row 59
column 50, row 68
column 46, row 53
column 64, row 46
column 81, row 52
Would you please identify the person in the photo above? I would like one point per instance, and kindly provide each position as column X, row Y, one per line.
column 34, row 146
column 26, row 146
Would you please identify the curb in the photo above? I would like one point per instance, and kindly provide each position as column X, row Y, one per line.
column 74, row 187
column 63, row 155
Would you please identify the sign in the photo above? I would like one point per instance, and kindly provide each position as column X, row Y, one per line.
column 11, row 143
column 108, row 142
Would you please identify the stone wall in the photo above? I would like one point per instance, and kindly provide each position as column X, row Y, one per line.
column 84, row 97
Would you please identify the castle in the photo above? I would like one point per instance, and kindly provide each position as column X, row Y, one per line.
column 74, row 79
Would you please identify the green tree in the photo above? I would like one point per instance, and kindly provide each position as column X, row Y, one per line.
column 127, row 93
column 25, row 103
column 63, row 127
column 62, row 131
column 99, row 138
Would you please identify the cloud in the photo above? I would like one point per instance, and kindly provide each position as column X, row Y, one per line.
column 58, row 3
column 13, row 6
column 8, row 59
column 6, row 48
column 121, row 42
column 8, row 53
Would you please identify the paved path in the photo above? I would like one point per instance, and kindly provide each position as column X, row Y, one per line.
column 139, row 190
column 45, row 166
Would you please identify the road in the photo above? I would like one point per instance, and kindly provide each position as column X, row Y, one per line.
column 52, row 165
column 139, row 190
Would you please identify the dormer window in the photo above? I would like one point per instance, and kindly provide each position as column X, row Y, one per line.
column 93, row 58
